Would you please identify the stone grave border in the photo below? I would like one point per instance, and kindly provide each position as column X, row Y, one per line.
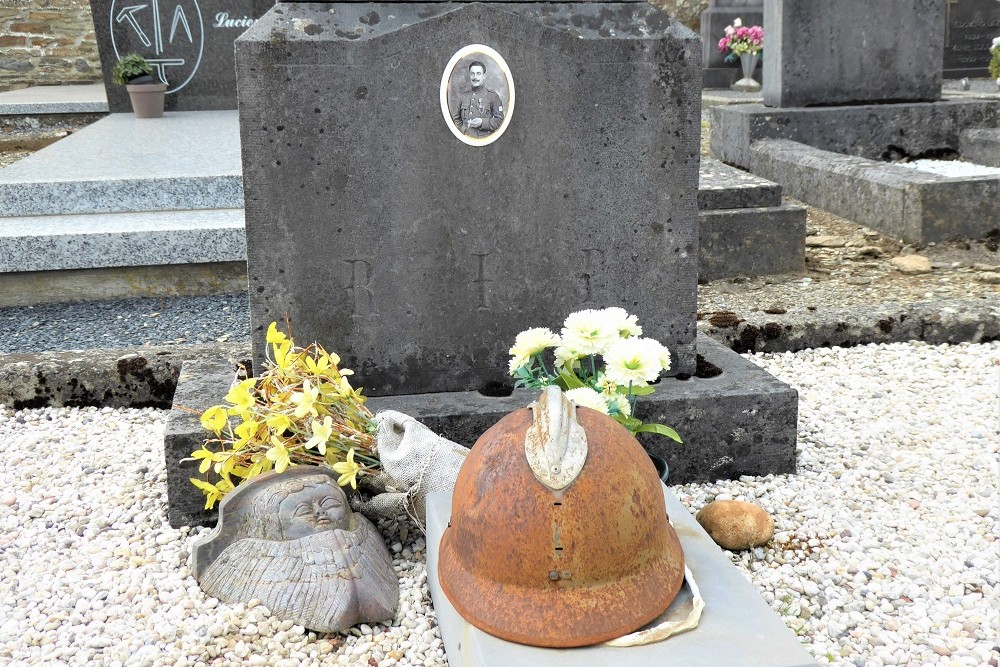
column 805, row 151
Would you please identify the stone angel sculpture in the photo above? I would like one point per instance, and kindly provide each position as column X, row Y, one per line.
column 291, row 541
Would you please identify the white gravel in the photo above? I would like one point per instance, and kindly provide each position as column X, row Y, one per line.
column 951, row 168
column 887, row 550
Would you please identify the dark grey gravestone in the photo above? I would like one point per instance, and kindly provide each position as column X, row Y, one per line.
column 717, row 72
column 189, row 43
column 970, row 27
column 419, row 258
column 852, row 51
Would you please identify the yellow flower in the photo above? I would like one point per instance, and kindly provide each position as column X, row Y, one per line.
column 214, row 419
column 241, row 395
column 318, row 366
column 322, row 432
column 282, row 355
column 348, row 470
column 212, row 493
column 279, row 455
column 305, row 400
column 206, row 459
column 279, row 423
column 246, row 432
column 274, row 336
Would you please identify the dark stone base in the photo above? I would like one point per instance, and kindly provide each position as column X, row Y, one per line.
column 873, row 131
column 741, row 422
column 751, row 242
column 202, row 384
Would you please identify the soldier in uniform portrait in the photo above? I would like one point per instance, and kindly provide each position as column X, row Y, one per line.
column 480, row 110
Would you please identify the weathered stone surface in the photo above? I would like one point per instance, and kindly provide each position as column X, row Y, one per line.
column 906, row 204
column 970, row 26
column 736, row 525
column 139, row 377
column 721, row 186
column 873, row 131
column 202, row 383
column 822, row 53
column 981, row 145
column 934, row 322
column 291, row 541
column 426, row 275
column 191, row 42
column 751, row 242
column 826, row 241
column 915, row 264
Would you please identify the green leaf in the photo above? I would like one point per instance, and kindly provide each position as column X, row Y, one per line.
column 660, row 429
column 568, row 380
column 631, row 423
column 642, row 391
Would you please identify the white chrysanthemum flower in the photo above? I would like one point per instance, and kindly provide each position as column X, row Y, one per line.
column 618, row 404
column 567, row 358
column 626, row 325
column 588, row 332
column 529, row 343
column 585, row 397
column 634, row 361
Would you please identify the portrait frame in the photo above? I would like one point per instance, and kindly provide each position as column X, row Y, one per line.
column 455, row 78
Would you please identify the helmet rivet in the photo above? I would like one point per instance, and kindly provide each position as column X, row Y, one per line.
column 553, row 575
column 566, row 574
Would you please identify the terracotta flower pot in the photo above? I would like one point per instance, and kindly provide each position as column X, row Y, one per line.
column 147, row 99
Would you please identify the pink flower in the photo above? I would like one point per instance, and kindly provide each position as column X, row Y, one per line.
column 730, row 30
column 724, row 44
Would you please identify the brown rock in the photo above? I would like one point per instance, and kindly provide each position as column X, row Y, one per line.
column 826, row 241
column 914, row 264
column 736, row 525
column 724, row 319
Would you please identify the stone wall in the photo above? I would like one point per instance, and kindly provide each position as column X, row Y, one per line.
column 687, row 12
column 47, row 42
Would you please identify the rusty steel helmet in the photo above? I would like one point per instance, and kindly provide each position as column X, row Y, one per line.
column 558, row 534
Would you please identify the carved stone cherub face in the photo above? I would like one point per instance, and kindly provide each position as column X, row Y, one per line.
column 320, row 505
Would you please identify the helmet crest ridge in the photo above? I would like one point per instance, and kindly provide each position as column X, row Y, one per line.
column 555, row 444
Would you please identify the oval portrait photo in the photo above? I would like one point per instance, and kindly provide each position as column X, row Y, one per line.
column 477, row 95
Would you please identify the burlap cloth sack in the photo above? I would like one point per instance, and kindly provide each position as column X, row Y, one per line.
column 415, row 461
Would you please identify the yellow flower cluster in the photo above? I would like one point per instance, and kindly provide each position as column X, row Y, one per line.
column 302, row 409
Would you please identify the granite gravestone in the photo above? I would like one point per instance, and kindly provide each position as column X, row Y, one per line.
column 970, row 28
column 852, row 51
column 188, row 42
column 718, row 73
column 382, row 234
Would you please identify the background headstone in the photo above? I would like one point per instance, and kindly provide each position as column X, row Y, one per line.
column 820, row 52
column 720, row 13
column 418, row 258
column 970, row 28
column 190, row 41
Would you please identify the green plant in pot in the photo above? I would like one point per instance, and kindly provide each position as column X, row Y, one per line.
column 146, row 92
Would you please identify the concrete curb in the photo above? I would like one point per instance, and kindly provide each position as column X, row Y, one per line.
column 147, row 377
column 934, row 322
